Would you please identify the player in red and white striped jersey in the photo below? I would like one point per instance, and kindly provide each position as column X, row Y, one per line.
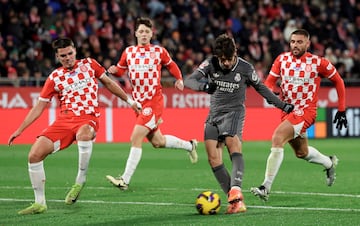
column 300, row 73
column 143, row 62
column 75, row 84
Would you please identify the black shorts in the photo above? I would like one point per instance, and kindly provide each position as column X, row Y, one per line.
column 227, row 124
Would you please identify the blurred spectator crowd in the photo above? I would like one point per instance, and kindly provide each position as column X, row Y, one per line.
column 102, row 29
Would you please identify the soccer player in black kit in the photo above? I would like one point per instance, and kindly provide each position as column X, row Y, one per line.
column 226, row 76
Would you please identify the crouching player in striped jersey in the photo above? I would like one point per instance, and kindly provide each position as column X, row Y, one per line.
column 75, row 84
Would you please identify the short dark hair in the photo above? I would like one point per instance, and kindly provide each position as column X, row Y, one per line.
column 224, row 46
column 301, row 32
column 62, row 43
column 145, row 21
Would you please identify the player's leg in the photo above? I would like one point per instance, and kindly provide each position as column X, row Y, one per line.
column 230, row 126
column 282, row 134
column 38, row 152
column 235, row 196
column 312, row 155
column 84, row 136
column 158, row 140
column 137, row 137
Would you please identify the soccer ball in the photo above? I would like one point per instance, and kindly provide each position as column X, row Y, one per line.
column 208, row 203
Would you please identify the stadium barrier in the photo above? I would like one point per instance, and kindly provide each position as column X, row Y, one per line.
column 184, row 115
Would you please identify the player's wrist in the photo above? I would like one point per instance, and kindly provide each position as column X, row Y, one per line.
column 130, row 101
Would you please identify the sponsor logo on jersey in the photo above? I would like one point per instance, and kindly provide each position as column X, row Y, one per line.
column 216, row 75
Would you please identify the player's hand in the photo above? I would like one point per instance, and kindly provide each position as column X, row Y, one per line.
column 340, row 120
column 288, row 108
column 136, row 106
column 210, row 88
column 112, row 69
column 12, row 137
column 179, row 84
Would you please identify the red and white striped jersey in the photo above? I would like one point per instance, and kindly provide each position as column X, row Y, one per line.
column 300, row 77
column 77, row 89
column 144, row 65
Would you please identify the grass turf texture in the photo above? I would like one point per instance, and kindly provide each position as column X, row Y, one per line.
column 165, row 186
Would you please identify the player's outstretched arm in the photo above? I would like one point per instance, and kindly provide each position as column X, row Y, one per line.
column 115, row 89
column 33, row 114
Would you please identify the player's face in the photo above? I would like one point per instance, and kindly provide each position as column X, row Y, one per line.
column 66, row 56
column 143, row 34
column 299, row 44
column 227, row 63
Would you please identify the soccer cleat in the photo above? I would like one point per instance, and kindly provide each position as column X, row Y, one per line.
column 73, row 194
column 235, row 200
column 260, row 192
column 236, row 207
column 193, row 153
column 118, row 182
column 330, row 173
column 33, row 209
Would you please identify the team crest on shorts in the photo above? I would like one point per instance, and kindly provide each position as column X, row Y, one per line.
column 299, row 112
column 147, row 111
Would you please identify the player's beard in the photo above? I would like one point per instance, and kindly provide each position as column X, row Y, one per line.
column 297, row 52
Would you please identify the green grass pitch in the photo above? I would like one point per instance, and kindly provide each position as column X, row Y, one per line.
column 165, row 185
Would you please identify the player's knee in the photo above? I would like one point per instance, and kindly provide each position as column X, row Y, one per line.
column 300, row 155
column 35, row 157
column 84, row 136
column 214, row 162
column 158, row 144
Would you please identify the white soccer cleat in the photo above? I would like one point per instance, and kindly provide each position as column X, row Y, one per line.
column 330, row 173
column 118, row 182
column 193, row 153
column 260, row 192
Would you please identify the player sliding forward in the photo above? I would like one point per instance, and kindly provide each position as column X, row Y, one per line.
column 300, row 73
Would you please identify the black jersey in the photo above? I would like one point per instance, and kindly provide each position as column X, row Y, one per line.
column 231, row 85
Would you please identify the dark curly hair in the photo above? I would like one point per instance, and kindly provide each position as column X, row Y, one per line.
column 224, row 46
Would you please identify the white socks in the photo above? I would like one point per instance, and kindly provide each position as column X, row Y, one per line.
column 131, row 164
column 85, row 150
column 272, row 166
column 174, row 142
column 37, row 178
column 314, row 156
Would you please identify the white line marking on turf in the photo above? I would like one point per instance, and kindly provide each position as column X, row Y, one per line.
column 194, row 189
column 183, row 204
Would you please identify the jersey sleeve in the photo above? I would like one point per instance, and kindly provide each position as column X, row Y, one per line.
column 273, row 75
column 122, row 65
column 48, row 90
column 170, row 64
column 195, row 81
column 326, row 69
column 99, row 70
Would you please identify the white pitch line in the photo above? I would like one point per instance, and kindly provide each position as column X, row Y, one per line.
column 193, row 189
column 183, row 204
